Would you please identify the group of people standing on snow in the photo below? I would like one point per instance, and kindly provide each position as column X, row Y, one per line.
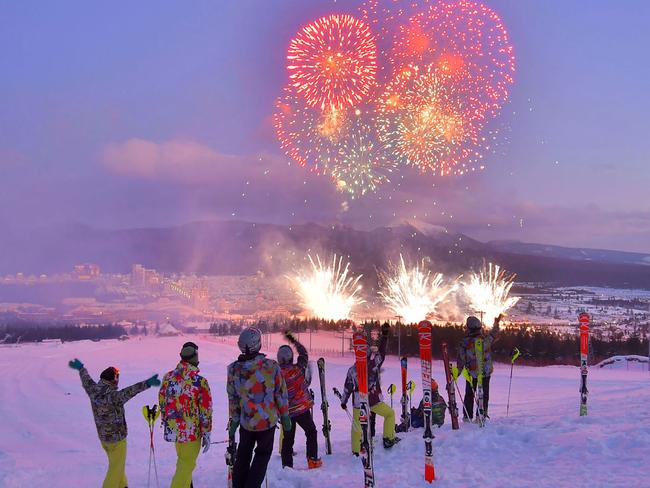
column 261, row 393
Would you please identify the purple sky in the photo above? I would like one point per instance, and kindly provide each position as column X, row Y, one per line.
column 152, row 113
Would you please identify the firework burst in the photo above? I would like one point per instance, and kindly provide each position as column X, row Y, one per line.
column 488, row 290
column 332, row 62
column 328, row 291
column 413, row 293
column 422, row 123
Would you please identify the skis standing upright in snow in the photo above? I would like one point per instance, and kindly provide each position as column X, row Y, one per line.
column 327, row 426
column 231, row 452
column 480, row 365
column 360, row 344
column 584, row 354
column 424, row 331
column 406, row 416
column 451, row 393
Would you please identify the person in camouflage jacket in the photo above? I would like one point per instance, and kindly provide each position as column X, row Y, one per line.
column 186, row 413
column 467, row 360
column 298, row 378
column 375, row 396
column 107, row 403
column 257, row 399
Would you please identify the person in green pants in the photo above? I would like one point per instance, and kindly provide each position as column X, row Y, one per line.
column 107, row 403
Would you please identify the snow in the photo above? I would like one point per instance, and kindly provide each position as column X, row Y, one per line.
column 49, row 438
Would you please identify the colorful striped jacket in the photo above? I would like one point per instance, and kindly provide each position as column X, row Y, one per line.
column 257, row 393
column 185, row 404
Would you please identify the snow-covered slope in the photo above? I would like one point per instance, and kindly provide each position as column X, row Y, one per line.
column 49, row 440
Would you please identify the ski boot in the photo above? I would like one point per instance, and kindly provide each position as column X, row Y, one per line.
column 314, row 463
column 388, row 443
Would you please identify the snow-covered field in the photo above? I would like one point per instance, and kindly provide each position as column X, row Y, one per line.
column 48, row 437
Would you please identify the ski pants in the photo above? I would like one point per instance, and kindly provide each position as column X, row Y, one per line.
column 247, row 474
column 380, row 409
column 470, row 388
column 306, row 422
column 186, row 453
column 115, row 476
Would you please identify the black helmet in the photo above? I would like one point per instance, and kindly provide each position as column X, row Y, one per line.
column 285, row 355
column 250, row 340
column 473, row 323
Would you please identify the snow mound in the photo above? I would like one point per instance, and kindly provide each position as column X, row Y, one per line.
column 616, row 362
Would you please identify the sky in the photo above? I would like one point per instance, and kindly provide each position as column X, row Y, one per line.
column 148, row 113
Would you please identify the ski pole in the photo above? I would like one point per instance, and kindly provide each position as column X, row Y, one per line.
column 337, row 394
column 515, row 355
column 411, row 388
column 391, row 391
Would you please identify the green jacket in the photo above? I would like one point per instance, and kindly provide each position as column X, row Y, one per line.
column 107, row 403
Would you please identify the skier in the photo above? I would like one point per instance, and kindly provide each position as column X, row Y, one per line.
column 107, row 403
column 375, row 397
column 257, row 399
column 186, row 413
column 297, row 379
column 467, row 359
column 438, row 408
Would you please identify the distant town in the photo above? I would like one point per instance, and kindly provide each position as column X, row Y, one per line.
column 149, row 299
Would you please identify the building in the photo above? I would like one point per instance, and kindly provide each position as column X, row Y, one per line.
column 86, row 272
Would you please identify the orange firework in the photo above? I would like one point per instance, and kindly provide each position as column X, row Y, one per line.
column 332, row 62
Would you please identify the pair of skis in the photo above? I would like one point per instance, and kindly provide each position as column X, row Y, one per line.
column 584, row 355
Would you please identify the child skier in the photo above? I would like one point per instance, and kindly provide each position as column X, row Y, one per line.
column 297, row 379
column 375, row 397
column 438, row 409
column 186, row 413
column 257, row 399
column 467, row 359
column 107, row 403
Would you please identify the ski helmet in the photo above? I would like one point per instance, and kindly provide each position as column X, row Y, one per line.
column 250, row 340
column 285, row 355
column 190, row 353
column 473, row 323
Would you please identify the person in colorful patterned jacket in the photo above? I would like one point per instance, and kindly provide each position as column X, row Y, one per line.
column 375, row 397
column 297, row 378
column 186, row 413
column 467, row 361
column 257, row 400
column 107, row 403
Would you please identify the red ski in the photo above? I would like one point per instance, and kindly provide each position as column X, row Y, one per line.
column 584, row 355
column 424, row 331
column 360, row 345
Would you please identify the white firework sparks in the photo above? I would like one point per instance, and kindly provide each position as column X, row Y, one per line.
column 413, row 293
column 328, row 291
column 488, row 292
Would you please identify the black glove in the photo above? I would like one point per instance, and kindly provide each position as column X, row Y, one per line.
column 289, row 336
column 344, row 406
column 385, row 329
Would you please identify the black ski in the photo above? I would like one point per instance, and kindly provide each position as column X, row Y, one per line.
column 451, row 393
column 231, row 450
column 327, row 426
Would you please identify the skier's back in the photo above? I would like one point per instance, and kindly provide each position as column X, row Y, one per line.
column 375, row 396
column 107, row 403
column 257, row 399
column 297, row 380
column 468, row 360
column 186, row 413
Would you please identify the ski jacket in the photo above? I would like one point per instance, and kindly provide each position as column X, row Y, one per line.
column 297, row 381
column 185, row 404
column 467, row 351
column 107, row 403
column 257, row 393
column 351, row 386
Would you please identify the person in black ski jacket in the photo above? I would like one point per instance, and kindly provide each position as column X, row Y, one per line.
column 297, row 378
column 375, row 397
column 107, row 403
column 467, row 360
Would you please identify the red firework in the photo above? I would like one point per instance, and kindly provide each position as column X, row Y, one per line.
column 468, row 44
column 332, row 62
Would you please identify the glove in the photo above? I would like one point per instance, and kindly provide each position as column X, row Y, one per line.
column 290, row 337
column 76, row 364
column 153, row 381
column 286, row 423
column 344, row 406
column 384, row 329
column 205, row 441
column 232, row 428
column 497, row 319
